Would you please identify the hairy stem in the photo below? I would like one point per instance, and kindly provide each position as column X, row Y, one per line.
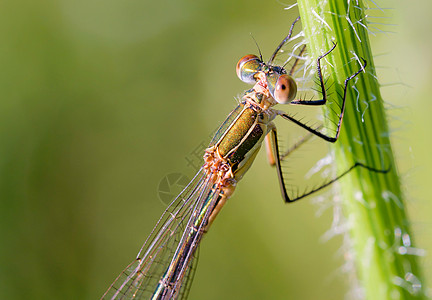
column 373, row 204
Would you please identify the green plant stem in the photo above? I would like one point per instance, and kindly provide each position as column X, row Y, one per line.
column 373, row 204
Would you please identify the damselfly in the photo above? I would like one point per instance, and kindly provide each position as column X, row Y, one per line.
column 163, row 267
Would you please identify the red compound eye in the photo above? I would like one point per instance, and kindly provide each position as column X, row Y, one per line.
column 285, row 89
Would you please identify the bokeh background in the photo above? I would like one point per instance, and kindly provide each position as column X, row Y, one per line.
column 102, row 99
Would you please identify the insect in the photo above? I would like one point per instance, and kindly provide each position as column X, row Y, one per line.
column 164, row 266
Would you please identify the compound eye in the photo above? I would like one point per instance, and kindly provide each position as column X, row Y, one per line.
column 247, row 67
column 283, row 88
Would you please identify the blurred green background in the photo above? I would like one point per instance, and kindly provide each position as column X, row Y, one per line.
column 101, row 99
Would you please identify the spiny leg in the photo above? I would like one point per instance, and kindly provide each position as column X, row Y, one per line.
column 323, row 101
column 321, row 81
column 275, row 150
column 277, row 161
column 331, row 181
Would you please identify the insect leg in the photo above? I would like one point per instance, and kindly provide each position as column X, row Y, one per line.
column 323, row 101
column 274, row 149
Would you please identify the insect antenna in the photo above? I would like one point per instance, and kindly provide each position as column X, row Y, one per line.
column 259, row 50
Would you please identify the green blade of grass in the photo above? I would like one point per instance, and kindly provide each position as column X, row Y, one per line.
column 382, row 245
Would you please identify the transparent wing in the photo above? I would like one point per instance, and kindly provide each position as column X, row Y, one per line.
column 184, row 293
column 188, row 213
